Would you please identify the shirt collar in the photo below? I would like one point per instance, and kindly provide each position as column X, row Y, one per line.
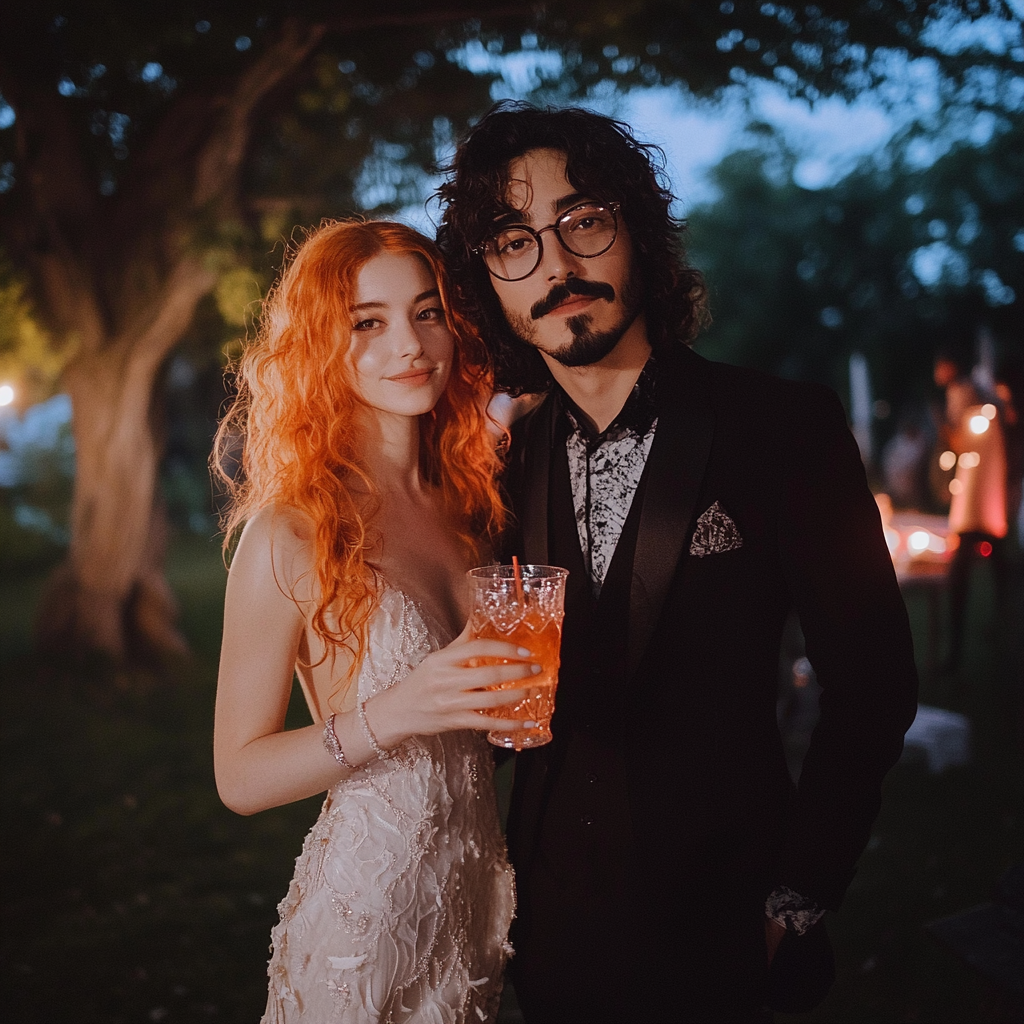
column 635, row 417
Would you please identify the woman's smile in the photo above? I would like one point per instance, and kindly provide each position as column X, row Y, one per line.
column 414, row 377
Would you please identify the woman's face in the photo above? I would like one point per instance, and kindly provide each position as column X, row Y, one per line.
column 401, row 350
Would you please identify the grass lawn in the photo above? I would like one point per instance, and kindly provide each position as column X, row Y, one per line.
column 131, row 894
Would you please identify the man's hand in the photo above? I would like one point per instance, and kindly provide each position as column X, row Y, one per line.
column 773, row 932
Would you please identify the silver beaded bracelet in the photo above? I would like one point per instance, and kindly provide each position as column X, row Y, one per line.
column 333, row 746
column 368, row 733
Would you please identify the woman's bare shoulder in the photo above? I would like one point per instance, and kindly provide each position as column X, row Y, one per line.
column 278, row 542
column 280, row 524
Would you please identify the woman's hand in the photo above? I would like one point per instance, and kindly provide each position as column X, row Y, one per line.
column 450, row 688
column 260, row 764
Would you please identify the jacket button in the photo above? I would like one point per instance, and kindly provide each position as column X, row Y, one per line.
column 591, row 777
column 586, row 820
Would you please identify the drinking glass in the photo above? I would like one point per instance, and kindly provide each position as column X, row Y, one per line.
column 522, row 605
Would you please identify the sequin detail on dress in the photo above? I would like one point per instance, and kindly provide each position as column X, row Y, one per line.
column 402, row 896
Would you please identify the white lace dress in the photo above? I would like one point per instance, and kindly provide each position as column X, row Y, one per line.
column 402, row 897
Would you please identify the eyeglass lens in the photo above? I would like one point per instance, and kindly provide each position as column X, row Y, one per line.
column 514, row 252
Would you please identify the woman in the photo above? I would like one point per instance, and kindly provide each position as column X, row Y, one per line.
column 367, row 491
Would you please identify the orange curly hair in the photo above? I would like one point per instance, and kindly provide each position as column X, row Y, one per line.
column 295, row 414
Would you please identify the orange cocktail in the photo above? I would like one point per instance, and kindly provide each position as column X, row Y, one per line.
column 526, row 611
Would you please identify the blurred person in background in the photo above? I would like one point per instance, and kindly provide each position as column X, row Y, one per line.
column 1010, row 400
column 972, row 432
column 904, row 462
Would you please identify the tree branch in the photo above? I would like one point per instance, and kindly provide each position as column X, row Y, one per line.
column 427, row 17
column 218, row 164
column 50, row 221
column 223, row 151
column 160, row 325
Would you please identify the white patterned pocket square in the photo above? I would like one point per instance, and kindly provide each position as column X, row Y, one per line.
column 715, row 532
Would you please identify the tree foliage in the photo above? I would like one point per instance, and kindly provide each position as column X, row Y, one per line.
column 154, row 157
column 115, row 103
column 893, row 261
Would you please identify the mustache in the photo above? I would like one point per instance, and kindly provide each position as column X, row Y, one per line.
column 574, row 286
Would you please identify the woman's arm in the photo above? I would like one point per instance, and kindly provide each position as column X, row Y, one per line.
column 257, row 763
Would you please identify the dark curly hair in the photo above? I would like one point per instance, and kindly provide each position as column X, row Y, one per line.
column 603, row 161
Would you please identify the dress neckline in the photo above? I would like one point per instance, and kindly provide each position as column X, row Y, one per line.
column 433, row 623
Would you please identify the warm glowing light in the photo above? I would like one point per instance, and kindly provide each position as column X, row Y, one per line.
column 918, row 541
column 988, row 410
column 947, row 460
column 955, row 486
column 978, row 424
column 969, row 460
column 892, row 539
column 936, row 544
column 6, row 394
column 984, row 549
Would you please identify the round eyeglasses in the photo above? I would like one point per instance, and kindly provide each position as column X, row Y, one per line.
column 516, row 250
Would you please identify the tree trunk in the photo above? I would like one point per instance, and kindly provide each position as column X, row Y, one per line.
column 126, row 314
column 110, row 594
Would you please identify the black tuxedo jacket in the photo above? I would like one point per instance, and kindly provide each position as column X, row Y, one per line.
column 647, row 835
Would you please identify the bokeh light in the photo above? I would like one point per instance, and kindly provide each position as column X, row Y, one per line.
column 918, row 541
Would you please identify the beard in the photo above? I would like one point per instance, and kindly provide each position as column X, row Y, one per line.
column 588, row 346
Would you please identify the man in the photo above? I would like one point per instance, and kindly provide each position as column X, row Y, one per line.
column 661, row 850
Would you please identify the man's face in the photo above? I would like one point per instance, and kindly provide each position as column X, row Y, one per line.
column 573, row 309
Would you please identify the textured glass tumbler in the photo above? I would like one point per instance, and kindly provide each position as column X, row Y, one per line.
column 528, row 613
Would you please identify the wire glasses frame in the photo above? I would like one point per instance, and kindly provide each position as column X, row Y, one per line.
column 516, row 250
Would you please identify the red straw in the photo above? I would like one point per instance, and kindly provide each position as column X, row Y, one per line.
column 519, row 580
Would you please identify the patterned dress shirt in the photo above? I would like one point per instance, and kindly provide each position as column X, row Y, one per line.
column 605, row 469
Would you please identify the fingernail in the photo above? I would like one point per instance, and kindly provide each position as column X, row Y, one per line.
column 535, row 668
column 524, row 652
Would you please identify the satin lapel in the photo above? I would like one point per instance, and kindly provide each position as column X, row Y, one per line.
column 675, row 468
column 533, row 510
column 532, row 789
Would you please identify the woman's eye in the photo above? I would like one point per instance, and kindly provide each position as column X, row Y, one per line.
column 366, row 325
column 433, row 313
